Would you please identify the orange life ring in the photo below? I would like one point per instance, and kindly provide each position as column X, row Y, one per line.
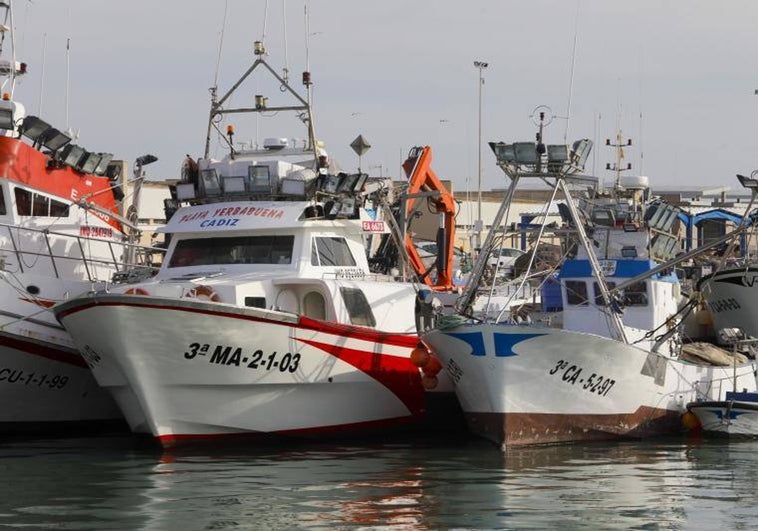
column 203, row 292
column 136, row 291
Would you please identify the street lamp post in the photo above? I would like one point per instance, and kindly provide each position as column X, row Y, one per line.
column 481, row 65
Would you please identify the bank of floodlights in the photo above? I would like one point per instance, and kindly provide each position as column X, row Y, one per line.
column 531, row 156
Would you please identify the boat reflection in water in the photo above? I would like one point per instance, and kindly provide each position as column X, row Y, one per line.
column 108, row 484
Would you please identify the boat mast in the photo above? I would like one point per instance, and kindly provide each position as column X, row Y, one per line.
column 536, row 160
column 261, row 103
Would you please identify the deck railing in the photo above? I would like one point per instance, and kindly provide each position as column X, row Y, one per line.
column 111, row 256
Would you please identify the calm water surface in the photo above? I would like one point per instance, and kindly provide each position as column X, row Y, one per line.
column 117, row 483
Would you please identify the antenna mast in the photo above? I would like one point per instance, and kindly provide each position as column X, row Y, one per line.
column 42, row 75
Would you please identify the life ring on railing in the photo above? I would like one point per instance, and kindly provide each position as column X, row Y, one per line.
column 203, row 292
column 136, row 291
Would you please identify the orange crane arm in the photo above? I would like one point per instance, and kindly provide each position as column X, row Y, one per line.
column 421, row 178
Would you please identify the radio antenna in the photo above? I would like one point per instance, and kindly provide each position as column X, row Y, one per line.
column 220, row 45
column 571, row 75
column 42, row 74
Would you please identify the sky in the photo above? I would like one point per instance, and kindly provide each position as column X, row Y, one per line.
column 679, row 76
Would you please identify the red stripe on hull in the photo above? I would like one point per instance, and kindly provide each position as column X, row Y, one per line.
column 516, row 429
column 355, row 429
column 398, row 374
column 45, row 351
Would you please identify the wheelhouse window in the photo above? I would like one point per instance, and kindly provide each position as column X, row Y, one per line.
column 599, row 294
column 23, row 202
column 358, row 307
column 236, row 250
column 576, row 292
column 3, row 210
column 634, row 295
column 32, row 204
column 331, row 251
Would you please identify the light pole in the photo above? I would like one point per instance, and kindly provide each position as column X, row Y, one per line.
column 481, row 65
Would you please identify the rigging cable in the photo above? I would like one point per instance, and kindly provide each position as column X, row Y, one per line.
column 286, row 69
column 571, row 76
column 220, row 45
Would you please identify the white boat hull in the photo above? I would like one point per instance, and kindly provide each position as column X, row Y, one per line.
column 731, row 295
column 46, row 386
column 184, row 369
column 736, row 416
column 532, row 385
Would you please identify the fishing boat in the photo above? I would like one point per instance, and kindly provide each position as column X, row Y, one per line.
column 612, row 367
column 735, row 416
column 62, row 233
column 729, row 298
column 730, row 290
column 265, row 318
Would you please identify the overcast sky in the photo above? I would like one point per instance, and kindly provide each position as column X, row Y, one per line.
column 401, row 73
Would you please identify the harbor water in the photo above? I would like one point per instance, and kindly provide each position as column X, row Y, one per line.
column 116, row 482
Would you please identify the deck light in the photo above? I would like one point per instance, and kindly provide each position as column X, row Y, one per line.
column 748, row 182
column 53, row 139
column 33, row 127
column 6, row 119
column 102, row 166
column 209, row 180
column 89, row 162
column 526, row 152
column 581, row 149
column 71, row 155
column 234, row 185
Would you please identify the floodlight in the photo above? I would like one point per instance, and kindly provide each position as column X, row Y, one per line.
column 53, row 139
column 293, row 187
column 185, row 191
column 347, row 183
column 557, row 157
column 581, row 151
column 358, row 186
column 71, row 154
column 346, row 206
column 748, row 182
column 144, row 160
column 209, row 180
column 102, row 166
column 504, row 153
column 259, row 179
column 331, row 183
column 6, row 119
column 558, row 153
column 234, row 185
column 89, row 162
column 526, row 152
column 32, row 127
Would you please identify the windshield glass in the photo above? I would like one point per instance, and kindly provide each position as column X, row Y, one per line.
column 236, row 250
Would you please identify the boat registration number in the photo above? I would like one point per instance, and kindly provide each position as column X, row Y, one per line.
column 571, row 374
column 236, row 356
column 32, row 379
column 723, row 305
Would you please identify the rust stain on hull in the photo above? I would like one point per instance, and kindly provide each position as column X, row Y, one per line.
column 515, row 429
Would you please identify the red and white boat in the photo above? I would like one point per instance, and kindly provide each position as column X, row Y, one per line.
column 60, row 236
column 265, row 317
